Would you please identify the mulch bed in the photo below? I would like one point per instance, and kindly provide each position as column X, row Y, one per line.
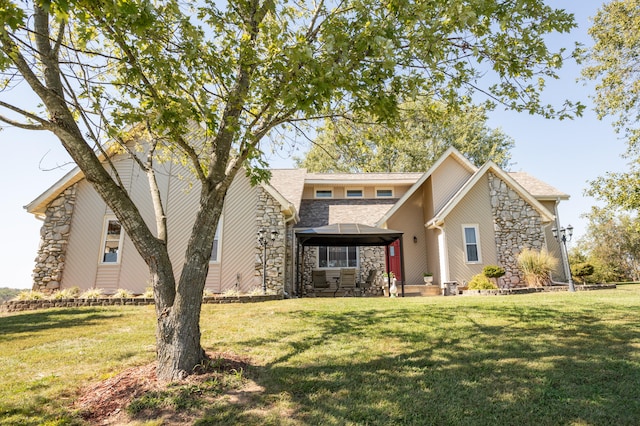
column 105, row 402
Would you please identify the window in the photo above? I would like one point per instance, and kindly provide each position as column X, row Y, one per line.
column 324, row 193
column 215, row 249
column 337, row 257
column 112, row 241
column 354, row 193
column 384, row 193
column 471, row 243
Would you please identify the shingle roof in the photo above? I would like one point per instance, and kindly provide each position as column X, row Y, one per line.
column 536, row 187
column 325, row 212
column 289, row 183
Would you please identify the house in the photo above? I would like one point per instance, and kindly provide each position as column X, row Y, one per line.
column 453, row 220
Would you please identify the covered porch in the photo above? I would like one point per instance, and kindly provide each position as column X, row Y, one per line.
column 344, row 278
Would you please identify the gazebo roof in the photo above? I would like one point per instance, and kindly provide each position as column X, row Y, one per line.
column 347, row 234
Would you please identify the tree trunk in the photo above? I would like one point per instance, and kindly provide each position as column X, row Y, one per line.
column 178, row 329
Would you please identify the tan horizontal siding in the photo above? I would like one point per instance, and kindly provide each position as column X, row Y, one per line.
column 239, row 239
column 475, row 208
column 83, row 250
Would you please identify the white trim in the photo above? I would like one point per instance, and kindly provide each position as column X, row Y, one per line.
column 103, row 241
column 545, row 215
column 451, row 152
column 384, row 188
column 219, row 234
column 323, row 189
column 476, row 230
column 355, row 188
column 443, row 253
column 337, row 267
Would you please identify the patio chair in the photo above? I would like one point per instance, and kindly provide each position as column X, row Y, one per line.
column 319, row 279
column 347, row 281
column 370, row 281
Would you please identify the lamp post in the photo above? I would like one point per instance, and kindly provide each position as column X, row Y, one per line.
column 264, row 241
column 561, row 236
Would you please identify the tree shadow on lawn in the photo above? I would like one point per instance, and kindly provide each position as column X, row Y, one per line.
column 15, row 326
column 538, row 366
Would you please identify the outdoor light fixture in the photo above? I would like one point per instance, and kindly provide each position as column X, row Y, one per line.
column 415, row 239
column 563, row 235
column 263, row 241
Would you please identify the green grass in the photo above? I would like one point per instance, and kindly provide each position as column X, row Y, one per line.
column 539, row 359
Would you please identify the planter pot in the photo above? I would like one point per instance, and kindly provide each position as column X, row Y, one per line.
column 428, row 280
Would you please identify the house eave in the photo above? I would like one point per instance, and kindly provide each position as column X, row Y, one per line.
column 38, row 206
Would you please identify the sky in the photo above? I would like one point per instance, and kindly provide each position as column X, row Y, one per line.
column 565, row 154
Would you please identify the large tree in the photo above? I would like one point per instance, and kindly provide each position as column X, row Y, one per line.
column 412, row 143
column 611, row 245
column 615, row 65
column 140, row 69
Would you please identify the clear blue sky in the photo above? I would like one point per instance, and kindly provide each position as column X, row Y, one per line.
column 565, row 154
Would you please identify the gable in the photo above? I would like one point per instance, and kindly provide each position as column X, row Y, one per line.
column 446, row 180
column 452, row 162
column 439, row 217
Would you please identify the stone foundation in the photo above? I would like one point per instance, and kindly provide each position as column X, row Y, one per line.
column 54, row 237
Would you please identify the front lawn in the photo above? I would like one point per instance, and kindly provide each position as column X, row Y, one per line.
column 533, row 359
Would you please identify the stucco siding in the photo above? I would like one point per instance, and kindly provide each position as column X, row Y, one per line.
column 474, row 209
column 446, row 181
column 408, row 219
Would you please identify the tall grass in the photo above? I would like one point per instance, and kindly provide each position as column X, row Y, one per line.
column 562, row 358
column 536, row 266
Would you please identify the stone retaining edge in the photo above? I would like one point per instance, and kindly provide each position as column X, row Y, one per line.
column 30, row 305
column 528, row 290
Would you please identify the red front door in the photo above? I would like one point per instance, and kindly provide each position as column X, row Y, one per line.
column 393, row 251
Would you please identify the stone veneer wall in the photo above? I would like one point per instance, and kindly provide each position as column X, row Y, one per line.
column 54, row 237
column 268, row 217
column 517, row 226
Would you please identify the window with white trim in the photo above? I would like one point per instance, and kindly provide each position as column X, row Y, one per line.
column 215, row 249
column 337, row 257
column 324, row 193
column 111, row 241
column 354, row 193
column 470, row 235
column 384, row 192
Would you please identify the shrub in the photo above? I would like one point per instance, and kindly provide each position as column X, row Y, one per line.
column 536, row 266
column 493, row 271
column 92, row 293
column 582, row 270
column 481, row 282
column 256, row 291
column 67, row 293
column 30, row 295
column 122, row 293
column 148, row 293
column 232, row 292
